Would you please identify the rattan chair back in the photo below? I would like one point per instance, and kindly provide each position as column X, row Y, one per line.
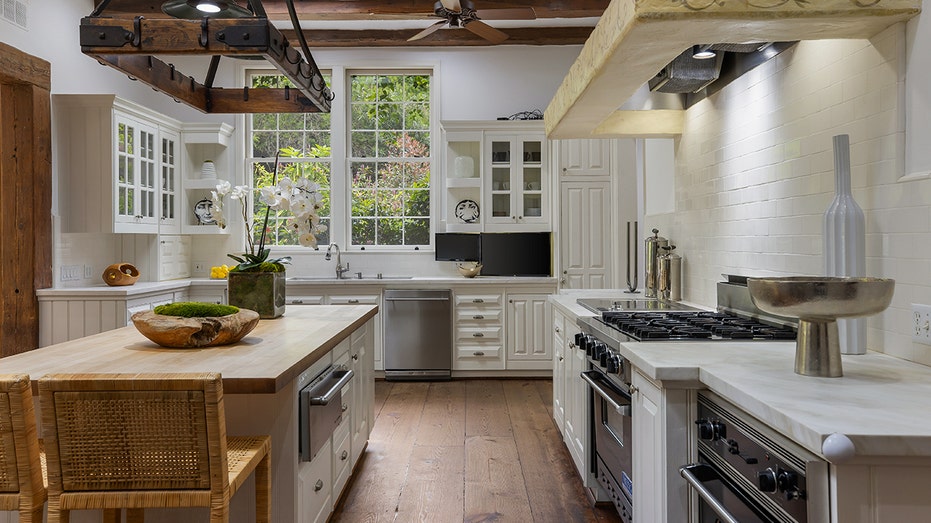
column 142, row 440
column 22, row 481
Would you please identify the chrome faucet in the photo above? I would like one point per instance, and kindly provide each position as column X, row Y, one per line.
column 340, row 270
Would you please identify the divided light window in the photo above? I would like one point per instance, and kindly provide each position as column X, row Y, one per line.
column 389, row 159
column 305, row 139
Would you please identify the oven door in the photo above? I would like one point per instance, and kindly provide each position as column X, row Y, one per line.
column 722, row 500
column 611, row 422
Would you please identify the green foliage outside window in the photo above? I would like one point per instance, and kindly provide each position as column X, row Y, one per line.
column 390, row 159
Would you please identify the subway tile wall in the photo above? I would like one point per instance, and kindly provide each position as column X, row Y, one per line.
column 754, row 175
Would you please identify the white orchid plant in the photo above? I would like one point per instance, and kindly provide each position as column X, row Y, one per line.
column 300, row 197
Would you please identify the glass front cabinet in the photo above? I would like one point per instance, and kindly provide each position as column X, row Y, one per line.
column 516, row 182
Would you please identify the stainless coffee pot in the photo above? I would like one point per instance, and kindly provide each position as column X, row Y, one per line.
column 652, row 251
column 669, row 284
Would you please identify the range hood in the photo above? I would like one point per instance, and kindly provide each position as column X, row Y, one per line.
column 603, row 96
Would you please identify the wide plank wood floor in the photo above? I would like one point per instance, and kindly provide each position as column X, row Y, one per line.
column 466, row 451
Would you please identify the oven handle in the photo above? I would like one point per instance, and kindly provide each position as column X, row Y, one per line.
column 623, row 410
column 341, row 378
column 706, row 495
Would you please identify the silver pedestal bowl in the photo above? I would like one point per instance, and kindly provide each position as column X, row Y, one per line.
column 817, row 302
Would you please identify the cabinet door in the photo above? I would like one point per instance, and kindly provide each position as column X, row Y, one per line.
column 578, row 398
column 586, row 239
column 559, row 368
column 516, row 183
column 648, row 460
column 136, row 175
column 585, row 157
column 169, row 182
column 528, row 342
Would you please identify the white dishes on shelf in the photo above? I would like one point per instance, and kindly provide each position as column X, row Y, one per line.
column 463, row 167
column 208, row 171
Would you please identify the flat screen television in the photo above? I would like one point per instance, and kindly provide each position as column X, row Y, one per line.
column 457, row 246
column 516, row 254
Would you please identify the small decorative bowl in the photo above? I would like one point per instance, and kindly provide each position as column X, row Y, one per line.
column 120, row 274
column 179, row 332
column 470, row 271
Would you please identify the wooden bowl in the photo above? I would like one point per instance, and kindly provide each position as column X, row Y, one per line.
column 470, row 271
column 181, row 332
column 119, row 274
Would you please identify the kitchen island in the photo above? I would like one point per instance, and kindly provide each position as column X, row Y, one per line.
column 261, row 377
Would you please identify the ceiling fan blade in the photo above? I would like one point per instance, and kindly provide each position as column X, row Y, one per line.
column 486, row 31
column 428, row 31
column 452, row 5
column 519, row 13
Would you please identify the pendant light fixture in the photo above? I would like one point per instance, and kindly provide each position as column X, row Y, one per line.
column 197, row 9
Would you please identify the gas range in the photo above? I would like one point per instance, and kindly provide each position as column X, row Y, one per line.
column 693, row 325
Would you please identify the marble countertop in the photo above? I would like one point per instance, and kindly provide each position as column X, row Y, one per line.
column 880, row 404
column 143, row 288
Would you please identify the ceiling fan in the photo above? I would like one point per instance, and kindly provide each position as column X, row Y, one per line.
column 462, row 13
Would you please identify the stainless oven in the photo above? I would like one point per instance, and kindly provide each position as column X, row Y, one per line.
column 748, row 473
column 320, row 409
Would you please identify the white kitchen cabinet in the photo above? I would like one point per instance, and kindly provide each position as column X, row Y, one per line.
column 528, row 340
column 174, row 254
column 577, row 429
column 561, row 340
column 110, row 154
column 315, row 487
column 169, row 220
column 660, row 439
column 495, row 176
column 516, row 182
column 585, row 235
column 584, row 157
column 479, row 343
column 202, row 142
column 362, row 363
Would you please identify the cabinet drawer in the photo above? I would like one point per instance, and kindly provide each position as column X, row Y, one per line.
column 478, row 299
column 342, row 459
column 479, row 352
column 304, row 300
column 367, row 299
column 479, row 315
column 315, row 484
column 480, row 333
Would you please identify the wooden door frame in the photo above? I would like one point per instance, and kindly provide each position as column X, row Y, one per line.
column 25, row 195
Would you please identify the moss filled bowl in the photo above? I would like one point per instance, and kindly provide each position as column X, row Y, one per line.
column 195, row 324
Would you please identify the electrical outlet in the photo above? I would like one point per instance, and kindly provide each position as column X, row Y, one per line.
column 199, row 267
column 71, row 272
column 921, row 323
column 88, row 272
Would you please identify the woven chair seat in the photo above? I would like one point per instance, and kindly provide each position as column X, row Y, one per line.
column 23, row 479
column 146, row 440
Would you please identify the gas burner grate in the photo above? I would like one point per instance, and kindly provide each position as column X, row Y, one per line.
column 697, row 325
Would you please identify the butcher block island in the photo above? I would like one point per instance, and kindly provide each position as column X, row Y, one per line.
column 263, row 375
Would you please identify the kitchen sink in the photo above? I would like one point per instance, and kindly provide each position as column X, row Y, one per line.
column 334, row 278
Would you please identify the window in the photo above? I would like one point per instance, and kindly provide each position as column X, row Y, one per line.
column 304, row 140
column 389, row 150
column 382, row 168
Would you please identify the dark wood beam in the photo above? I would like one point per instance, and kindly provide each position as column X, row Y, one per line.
column 442, row 38
column 129, row 45
column 377, row 9
column 19, row 68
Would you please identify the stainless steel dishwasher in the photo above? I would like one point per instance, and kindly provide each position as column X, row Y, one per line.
column 418, row 334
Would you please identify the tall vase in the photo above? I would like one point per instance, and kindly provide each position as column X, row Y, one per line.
column 845, row 242
column 262, row 292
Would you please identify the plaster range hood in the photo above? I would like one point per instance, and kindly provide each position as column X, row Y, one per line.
column 605, row 93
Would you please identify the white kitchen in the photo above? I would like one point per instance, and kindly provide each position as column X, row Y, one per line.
column 558, row 145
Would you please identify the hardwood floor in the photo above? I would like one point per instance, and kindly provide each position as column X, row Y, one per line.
column 466, row 451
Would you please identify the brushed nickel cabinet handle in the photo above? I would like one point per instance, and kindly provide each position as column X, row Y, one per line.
column 353, row 301
column 355, row 357
column 478, row 300
column 478, row 317
column 344, row 455
column 478, row 353
column 345, row 407
column 557, row 329
column 318, row 486
column 478, row 335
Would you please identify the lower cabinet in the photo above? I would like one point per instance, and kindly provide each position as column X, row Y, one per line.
column 479, row 329
column 576, row 432
column 322, row 481
column 528, row 341
column 560, row 337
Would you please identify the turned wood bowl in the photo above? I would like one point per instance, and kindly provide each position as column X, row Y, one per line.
column 180, row 332
column 120, row 274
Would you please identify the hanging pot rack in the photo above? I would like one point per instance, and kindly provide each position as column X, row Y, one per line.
column 131, row 46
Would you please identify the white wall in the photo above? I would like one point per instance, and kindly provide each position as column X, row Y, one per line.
column 755, row 174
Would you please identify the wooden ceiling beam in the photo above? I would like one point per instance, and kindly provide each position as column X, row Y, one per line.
column 442, row 38
column 378, row 9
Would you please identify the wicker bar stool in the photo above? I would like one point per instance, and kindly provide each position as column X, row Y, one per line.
column 22, row 462
column 132, row 441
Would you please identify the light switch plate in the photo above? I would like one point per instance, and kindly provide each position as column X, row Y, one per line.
column 921, row 323
column 88, row 272
column 71, row 272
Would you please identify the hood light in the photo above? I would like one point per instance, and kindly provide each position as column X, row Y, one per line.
column 703, row 52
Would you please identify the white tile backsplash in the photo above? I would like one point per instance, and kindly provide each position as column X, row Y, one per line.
column 755, row 173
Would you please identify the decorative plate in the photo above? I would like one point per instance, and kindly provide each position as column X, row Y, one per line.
column 467, row 211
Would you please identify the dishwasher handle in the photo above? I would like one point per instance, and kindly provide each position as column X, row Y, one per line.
column 416, row 299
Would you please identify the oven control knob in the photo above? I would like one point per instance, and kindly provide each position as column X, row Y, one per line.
column 711, row 429
column 603, row 359
column 768, row 481
column 586, row 343
column 614, row 364
column 787, row 481
column 578, row 339
column 598, row 348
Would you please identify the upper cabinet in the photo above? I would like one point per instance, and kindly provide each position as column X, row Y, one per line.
column 495, row 177
column 208, row 160
column 118, row 166
column 584, row 157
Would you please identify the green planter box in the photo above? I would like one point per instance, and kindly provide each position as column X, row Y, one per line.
column 263, row 292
